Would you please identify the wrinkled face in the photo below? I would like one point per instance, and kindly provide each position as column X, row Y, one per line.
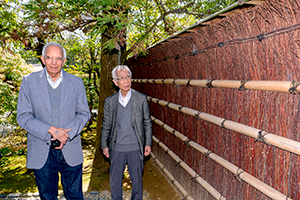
column 123, row 81
column 53, row 60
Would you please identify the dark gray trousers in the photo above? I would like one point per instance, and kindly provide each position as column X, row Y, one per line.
column 135, row 168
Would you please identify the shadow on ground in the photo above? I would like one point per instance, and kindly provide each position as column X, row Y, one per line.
column 15, row 178
column 156, row 185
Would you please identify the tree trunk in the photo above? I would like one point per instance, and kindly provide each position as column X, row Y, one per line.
column 109, row 59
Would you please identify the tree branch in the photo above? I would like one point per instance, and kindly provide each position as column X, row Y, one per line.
column 161, row 18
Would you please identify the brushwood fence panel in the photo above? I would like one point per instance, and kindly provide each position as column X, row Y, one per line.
column 261, row 44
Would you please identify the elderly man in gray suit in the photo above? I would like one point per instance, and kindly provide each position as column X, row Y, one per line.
column 53, row 109
column 126, row 135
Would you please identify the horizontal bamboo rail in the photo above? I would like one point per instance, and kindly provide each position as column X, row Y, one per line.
column 277, row 86
column 194, row 175
column 171, row 177
column 259, row 135
column 239, row 173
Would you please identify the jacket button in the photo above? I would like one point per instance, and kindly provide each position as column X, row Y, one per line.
column 47, row 143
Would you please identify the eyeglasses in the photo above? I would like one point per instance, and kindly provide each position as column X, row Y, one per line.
column 123, row 78
column 50, row 59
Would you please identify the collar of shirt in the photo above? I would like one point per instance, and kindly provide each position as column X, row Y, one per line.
column 55, row 84
column 124, row 100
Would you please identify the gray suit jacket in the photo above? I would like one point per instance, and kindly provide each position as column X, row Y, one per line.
column 34, row 115
column 140, row 117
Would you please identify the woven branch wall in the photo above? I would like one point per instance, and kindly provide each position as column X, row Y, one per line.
column 261, row 43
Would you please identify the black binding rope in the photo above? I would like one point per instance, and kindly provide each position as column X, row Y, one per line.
column 293, row 89
column 168, row 105
column 261, row 135
column 221, row 44
column 173, row 180
column 188, row 83
column 185, row 197
column 222, row 124
column 174, row 81
column 194, row 53
column 179, row 108
column 177, row 57
column 157, row 101
column 209, row 83
column 195, row 177
column 237, row 175
column 261, row 37
column 173, row 131
column 187, row 142
column 207, row 153
column 163, row 81
column 197, row 114
column 167, row 150
column 242, row 86
column 180, row 161
column 154, row 81
column 158, row 142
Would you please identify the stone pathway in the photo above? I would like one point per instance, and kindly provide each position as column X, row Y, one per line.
column 94, row 195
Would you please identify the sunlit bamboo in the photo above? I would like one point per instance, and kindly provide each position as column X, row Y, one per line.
column 277, row 86
column 263, row 136
column 238, row 172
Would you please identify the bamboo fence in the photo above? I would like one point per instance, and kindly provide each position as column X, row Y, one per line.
column 239, row 173
column 276, row 86
column 259, row 135
column 194, row 175
column 171, row 177
column 253, row 50
column 260, row 37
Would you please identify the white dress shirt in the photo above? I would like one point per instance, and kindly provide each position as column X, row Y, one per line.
column 124, row 100
column 57, row 82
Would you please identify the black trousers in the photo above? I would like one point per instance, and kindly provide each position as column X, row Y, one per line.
column 47, row 178
column 135, row 167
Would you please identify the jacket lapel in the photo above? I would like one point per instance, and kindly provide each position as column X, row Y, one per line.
column 114, row 112
column 115, row 105
column 65, row 90
column 44, row 87
column 133, row 104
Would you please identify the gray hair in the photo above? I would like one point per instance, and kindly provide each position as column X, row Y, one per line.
column 119, row 67
column 55, row 44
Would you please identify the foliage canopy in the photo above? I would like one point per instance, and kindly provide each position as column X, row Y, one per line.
column 13, row 67
column 137, row 24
